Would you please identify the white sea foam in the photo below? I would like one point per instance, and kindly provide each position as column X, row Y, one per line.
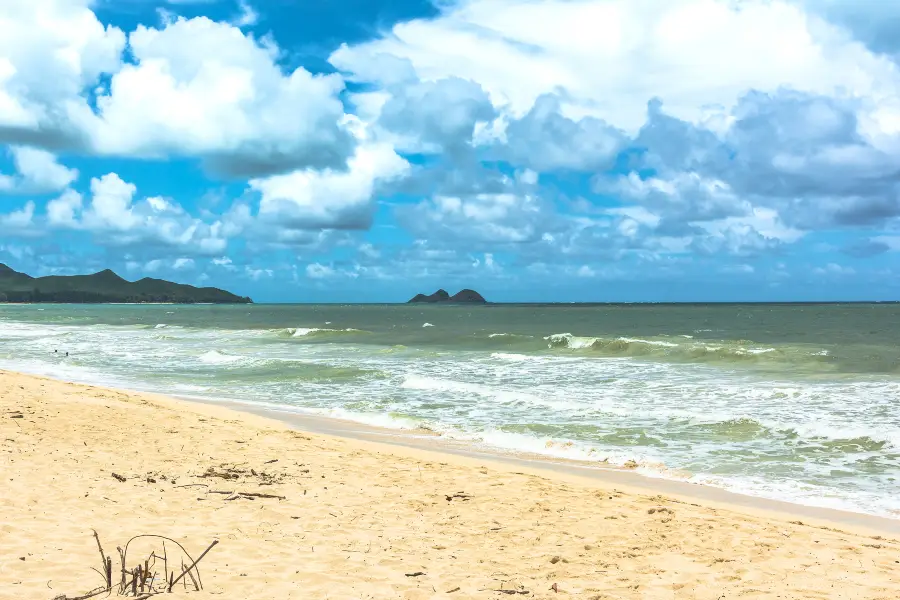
column 214, row 357
column 516, row 357
column 305, row 331
column 648, row 342
column 427, row 325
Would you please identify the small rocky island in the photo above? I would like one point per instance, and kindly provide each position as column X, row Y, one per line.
column 441, row 296
column 103, row 287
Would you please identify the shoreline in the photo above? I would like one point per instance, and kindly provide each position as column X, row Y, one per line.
column 425, row 440
column 416, row 441
column 326, row 515
column 386, row 439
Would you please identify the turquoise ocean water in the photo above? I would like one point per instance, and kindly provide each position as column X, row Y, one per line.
column 792, row 402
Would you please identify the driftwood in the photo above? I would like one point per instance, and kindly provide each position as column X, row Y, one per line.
column 234, row 495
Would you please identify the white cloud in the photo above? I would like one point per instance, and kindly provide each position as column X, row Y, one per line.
column 206, row 88
column 183, row 263
column 61, row 211
column 500, row 218
column 369, row 251
column 613, row 56
column 18, row 219
column 37, row 172
column 759, row 120
column 765, row 221
column 50, row 51
column 310, row 199
column 319, row 271
column 192, row 88
column 257, row 274
column 834, row 269
column 247, row 17
column 115, row 217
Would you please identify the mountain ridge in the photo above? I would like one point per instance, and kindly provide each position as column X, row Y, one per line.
column 104, row 287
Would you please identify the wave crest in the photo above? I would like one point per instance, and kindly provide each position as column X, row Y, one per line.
column 684, row 349
column 309, row 332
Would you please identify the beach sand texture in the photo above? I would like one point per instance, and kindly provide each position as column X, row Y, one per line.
column 360, row 520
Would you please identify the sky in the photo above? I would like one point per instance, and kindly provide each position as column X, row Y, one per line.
column 533, row 150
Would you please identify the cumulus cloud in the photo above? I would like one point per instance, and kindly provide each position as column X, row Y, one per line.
column 114, row 216
column 615, row 55
column 788, row 126
column 436, row 116
column 311, row 199
column 546, row 140
column 247, row 16
column 51, row 51
column 506, row 218
column 18, row 221
column 193, row 87
column 37, row 172
column 198, row 87
column 834, row 270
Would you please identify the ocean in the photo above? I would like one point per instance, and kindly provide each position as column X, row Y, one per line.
column 790, row 402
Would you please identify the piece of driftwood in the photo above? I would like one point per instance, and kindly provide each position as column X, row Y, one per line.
column 233, row 495
column 460, row 495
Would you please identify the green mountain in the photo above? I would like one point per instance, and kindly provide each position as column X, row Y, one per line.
column 105, row 286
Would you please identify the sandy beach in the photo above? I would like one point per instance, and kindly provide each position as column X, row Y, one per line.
column 348, row 518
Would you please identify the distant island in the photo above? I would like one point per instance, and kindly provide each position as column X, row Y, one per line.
column 105, row 286
column 463, row 297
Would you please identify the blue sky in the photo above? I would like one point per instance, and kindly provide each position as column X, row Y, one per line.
column 535, row 150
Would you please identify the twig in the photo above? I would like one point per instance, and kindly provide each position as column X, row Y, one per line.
column 194, row 580
column 122, row 558
column 193, row 564
column 165, row 563
column 90, row 594
column 258, row 495
column 106, row 565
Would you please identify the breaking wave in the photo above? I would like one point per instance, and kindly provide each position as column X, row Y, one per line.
column 684, row 349
column 316, row 332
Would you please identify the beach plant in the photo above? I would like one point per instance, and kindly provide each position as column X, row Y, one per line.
column 158, row 572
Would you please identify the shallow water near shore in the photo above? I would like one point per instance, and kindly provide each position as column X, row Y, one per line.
column 790, row 402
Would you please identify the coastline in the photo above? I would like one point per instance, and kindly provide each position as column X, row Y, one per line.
column 353, row 516
column 416, row 443
column 392, row 439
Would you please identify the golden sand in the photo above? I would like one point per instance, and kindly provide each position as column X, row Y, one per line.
column 361, row 520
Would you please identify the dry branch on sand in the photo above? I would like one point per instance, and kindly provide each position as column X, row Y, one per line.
column 145, row 579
